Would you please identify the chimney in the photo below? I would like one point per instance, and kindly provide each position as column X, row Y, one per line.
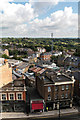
column 6, row 62
column 73, row 79
column 43, row 77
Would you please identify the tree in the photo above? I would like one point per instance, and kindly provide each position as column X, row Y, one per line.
column 54, row 58
column 5, row 56
column 77, row 53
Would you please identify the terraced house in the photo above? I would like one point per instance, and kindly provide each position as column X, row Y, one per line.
column 56, row 89
column 13, row 96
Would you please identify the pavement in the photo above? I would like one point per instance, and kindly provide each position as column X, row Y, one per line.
column 68, row 111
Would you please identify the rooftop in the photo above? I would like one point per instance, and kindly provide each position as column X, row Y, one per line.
column 22, row 65
column 18, row 84
column 52, row 77
column 46, row 53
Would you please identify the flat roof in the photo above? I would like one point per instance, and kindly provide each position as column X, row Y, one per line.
column 52, row 78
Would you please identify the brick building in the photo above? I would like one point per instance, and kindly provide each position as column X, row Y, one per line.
column 76, row 75
column 46, row 56
column 13, row 96
column 55, row 89
column 34, row 100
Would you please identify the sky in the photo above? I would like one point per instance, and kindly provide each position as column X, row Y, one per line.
column 39, row 18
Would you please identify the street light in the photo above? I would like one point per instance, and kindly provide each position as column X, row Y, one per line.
column 59, row 109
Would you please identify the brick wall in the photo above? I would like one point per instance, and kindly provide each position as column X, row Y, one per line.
column 40, row 86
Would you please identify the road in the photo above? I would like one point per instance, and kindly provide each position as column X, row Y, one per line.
column 68, row 117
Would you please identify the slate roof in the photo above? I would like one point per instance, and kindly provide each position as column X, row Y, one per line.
column 52, row 77
column 46, row 53
column 76, row 75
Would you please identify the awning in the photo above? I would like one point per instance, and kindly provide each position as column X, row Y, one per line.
column 37, row 106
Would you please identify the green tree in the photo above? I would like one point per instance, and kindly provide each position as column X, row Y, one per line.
column 54, row 58
column 5, row 56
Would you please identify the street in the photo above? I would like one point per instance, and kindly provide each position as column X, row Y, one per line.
column 67, row 117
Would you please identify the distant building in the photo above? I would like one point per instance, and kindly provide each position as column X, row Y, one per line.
column 30, row 52
column 37, row 54
column 14, row 62
column 41, row 50
column 32, row 58
column 5, row 72
column 73, row 61
column 71, row 51
column 6, row 52
column 23, row 67
column 57, row 53
column 46, row 56
column 55, row 89
column 60, row 60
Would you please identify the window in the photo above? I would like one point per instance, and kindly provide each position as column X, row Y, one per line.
column 56, row 88
column 3, row 96
column 63, row 87
column 49, row 89
column 19, row 96
column 11, row 96
column 66, row 95
column 67, row 87
column 49, row 97
column 56, row 96
column 62, row 96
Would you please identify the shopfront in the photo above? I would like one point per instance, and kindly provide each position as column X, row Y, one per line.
column 37, row 105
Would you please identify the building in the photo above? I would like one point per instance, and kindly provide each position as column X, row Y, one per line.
column 5, row 72
column 46, row 56
column 6, row 52
column 13, row 96
column 41, row 50
column 57, row 53
column 35, row 102
column 73, row 61
column 76, row 75
column 55, row 89
column 30, row 79
column 14, row 62
column 22, row 67
column 30, row 52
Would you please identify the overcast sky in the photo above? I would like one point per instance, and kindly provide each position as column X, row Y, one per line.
column 38, row 18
